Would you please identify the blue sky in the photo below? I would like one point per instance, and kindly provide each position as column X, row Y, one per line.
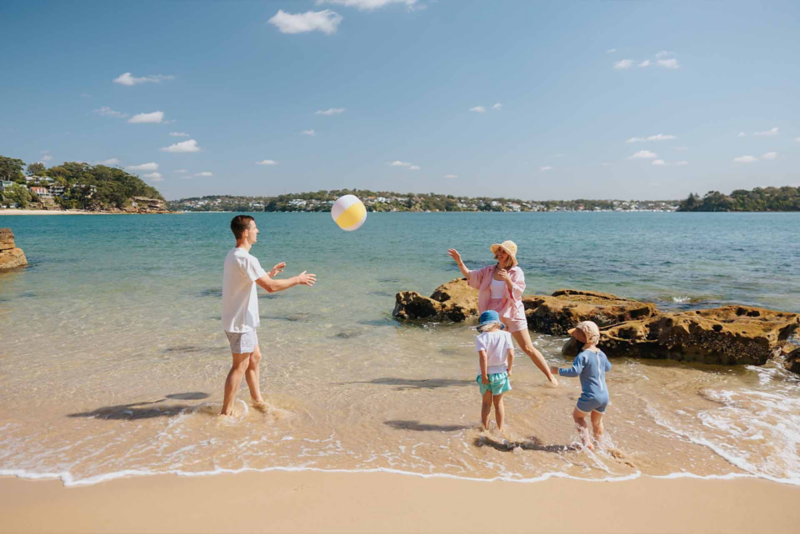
column 537, row 100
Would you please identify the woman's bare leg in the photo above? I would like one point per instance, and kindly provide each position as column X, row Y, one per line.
column 523, row 339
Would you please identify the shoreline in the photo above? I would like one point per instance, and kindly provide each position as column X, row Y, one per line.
column 309, row 501
column 19, row 212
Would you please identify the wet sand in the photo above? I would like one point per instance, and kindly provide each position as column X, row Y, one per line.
column 307, row 501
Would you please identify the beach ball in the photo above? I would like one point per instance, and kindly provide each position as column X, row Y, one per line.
column 349, row 212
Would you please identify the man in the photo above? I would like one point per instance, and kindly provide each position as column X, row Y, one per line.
column 240, row 308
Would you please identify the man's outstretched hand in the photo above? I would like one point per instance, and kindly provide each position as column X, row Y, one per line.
column 306, row 279
column 277, row 269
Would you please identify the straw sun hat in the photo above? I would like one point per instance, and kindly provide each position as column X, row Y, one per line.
column 511, row 249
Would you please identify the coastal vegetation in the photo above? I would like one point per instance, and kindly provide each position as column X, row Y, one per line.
column 378, row 201
column 759, row 199
column 71, row 185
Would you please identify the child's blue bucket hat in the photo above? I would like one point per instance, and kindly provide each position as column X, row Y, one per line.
column 490, row 317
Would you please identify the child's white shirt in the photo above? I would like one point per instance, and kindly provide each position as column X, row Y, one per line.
column 496, row 344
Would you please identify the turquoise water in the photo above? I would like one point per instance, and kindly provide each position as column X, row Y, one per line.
column 114, row 360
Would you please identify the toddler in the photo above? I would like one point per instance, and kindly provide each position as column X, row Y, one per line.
column 495, row 358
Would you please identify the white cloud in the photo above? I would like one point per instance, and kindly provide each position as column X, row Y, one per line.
column 772, row 132
column 643, row 154
column 681, row 163
column 155, row 117
column 152, row 166
column 478, row 109
column 181, row 171
column 745, row 159
column 106, row 111
column 657, row 137
column 368, row 5
column 645, row 63
column 129, row 79
column 611, row 50
column 497, row 106
column 183, row 146
column 797, row 139
column 400, row 164
column 663, row 53
column 179, row 134
column 325, row 21
column 267, row 162
column 659, row 162
column 47, row 158
column 331, row 111
column 742, row 134
column 111, row 161
column 770, row 155
column 451, row 176
column 623, row 64
column 413, row 168
column 204, row 174
column 545, row 168
column 153, row 176
column 668, row 63
column 310, row 133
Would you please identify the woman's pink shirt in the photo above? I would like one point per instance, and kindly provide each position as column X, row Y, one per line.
column 511, row 306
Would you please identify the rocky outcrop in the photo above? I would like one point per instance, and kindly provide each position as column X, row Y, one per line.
column 11, row 257
column 567, row 307
column 454, row 301
column 149, row 205
column 792, row 362
column 728, row 335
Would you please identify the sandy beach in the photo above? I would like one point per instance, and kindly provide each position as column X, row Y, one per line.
column 308, row 501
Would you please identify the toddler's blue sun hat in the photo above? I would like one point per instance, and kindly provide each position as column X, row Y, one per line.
column 490, row 317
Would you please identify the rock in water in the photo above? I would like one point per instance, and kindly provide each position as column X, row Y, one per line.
column 727, row 335
column 11, row 257
column 454, row 301
column 793, row 361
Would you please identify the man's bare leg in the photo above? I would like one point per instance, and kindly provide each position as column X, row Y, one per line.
column 253, row 377
column 234, row 380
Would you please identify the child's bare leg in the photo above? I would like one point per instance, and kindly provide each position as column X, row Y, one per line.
column 583, row 428
column 486, row 408
column 597, row 425
column 499, row 410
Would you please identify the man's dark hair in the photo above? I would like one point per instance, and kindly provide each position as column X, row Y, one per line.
column 239, row 224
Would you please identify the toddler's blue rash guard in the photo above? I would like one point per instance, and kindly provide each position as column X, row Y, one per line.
column 591, row 367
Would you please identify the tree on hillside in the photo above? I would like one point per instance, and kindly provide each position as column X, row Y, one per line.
column 11, row 169
column 36, row 169
column 19, row 195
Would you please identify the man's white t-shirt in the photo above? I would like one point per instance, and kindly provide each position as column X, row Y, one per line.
column 496, row 344
column 239, row 295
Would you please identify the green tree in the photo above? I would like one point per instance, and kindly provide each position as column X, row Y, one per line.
column 18, row 194
column 36, row 169
column 11, row 169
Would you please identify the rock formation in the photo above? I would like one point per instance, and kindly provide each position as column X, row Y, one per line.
column 11, row 257
column 727, row 335
column 454, row 301
column 793, row 361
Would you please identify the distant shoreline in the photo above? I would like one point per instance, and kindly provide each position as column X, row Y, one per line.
column 70, row 212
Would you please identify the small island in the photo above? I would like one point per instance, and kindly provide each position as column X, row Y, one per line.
column 75, row 187
column 759, row 199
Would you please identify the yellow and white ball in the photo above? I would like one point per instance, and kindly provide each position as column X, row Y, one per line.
column 349, row 212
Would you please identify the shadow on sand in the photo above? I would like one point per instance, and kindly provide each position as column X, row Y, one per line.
column 144, row 410
column 531, row 444
column 411, row 383
column 423, row 427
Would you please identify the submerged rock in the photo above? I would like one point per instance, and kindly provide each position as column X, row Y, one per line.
column 454, row 301
column 792, row 362
column 11, row 257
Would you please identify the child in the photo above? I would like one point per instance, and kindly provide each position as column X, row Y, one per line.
column 495, row 357
column 591, row 365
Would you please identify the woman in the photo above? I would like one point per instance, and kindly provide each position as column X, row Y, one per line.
column 500, row 289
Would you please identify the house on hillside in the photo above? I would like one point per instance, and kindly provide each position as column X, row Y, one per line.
column 41, row 192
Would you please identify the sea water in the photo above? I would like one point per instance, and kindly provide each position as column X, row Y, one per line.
column 113, row 359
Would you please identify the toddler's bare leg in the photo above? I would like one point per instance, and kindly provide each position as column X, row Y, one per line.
column 486, row 408
column 499, row 410
column 583, row 428
column 597, row 425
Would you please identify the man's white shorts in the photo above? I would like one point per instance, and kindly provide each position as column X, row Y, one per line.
column 242, row 342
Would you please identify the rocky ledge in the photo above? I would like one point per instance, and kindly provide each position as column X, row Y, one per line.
column 726, row 335
column 11, row 257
